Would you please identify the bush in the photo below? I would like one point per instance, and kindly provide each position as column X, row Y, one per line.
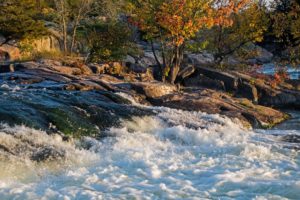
column 109, row 42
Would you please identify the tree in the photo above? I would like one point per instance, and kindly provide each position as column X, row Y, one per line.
column 285, row 27
column 70, row 13
column 18, row 20
column 173, row 22
column 108, row 41
column 249, row 25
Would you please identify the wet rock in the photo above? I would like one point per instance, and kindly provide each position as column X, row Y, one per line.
column 7, row 68
column 25, row 78
column 47, row 154
column 291, row 138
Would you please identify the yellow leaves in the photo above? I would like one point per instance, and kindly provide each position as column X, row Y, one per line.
column 181, row 20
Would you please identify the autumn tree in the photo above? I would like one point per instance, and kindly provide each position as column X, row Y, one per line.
column 18, row 20
column 248, row 26
column 173, row 22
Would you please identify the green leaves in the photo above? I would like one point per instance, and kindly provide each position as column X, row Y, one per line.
column 18, row 19
column 109, row 41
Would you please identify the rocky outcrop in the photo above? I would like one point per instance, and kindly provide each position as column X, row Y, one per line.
column 194, row 98
column 213, row 102
column 46, row 44
column 279, row 96
column 285, row 94
column 9, row 52
column 230, row 81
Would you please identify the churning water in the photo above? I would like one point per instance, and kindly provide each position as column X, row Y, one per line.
column 173, row 155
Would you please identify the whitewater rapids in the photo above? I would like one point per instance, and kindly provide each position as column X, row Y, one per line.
column 173, row 155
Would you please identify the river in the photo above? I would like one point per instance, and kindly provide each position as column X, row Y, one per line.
column 171, row 154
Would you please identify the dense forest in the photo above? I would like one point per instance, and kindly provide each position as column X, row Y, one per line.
column 108, row 30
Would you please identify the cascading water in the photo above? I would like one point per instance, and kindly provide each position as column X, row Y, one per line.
column 173, row 154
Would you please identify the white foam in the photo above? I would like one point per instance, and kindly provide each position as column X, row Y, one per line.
column 173, row 155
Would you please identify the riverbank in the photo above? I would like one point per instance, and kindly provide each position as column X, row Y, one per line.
column 233, row 94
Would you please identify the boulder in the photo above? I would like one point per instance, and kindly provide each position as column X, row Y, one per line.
column 48, row 154
column 199, row 80
column 230, row 80
column 261, row 55
column 148, row 60
column 202, row 59
column 115, row 68
column 85, row 70
column 130, row 59
column 99, row 68
column 153, row 89
column 136, row 68
column 10, row 52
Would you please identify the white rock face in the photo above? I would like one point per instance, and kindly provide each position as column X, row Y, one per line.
column 48, row 43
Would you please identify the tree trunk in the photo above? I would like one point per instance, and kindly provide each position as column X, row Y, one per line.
column 76, row 23
column 73, row 38
column 65, row 36
column 161, row 67
column 176, row 64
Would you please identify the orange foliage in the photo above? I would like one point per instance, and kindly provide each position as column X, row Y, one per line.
column 182, row 19
column 279, row 77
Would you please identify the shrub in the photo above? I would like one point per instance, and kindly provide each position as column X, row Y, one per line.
column 109, row 42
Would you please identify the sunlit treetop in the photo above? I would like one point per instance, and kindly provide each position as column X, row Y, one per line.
column 180, row 20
